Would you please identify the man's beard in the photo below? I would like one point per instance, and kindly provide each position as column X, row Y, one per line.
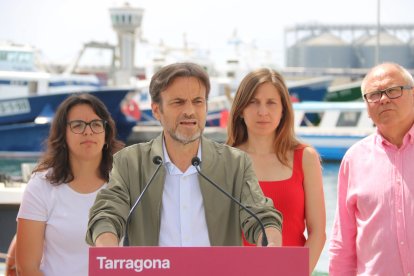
column 181, row 137
column 184, row 139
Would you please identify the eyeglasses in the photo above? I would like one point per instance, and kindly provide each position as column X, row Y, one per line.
column 79, row 126
column 392, row 93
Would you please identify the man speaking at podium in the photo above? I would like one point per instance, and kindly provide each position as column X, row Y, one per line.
column 185, row 205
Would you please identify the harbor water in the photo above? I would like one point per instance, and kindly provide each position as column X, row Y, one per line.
column 330, row 173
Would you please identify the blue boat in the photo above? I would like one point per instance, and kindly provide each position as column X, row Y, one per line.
column 313, row 89
column 25, row 121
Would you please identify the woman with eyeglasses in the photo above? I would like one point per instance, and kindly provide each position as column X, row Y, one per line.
column 53, row 215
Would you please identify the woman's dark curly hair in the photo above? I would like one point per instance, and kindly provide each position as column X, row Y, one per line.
column 57, row 153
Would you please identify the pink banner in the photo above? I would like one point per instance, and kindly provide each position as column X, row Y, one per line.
column 200, row 261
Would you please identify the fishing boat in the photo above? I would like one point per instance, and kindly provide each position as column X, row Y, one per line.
column 344, row 92
column 312, row 89
column 30, row 94
column 23, row 74
column 25, row 121
column 340, row 125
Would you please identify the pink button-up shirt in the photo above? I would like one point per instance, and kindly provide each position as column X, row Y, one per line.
column 373, row 232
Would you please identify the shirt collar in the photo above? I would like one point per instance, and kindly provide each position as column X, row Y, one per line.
column 172, row 169
column 380, row 139
column 408, row 138
column 410, row 135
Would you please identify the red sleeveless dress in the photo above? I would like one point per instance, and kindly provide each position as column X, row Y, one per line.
column 289, row 198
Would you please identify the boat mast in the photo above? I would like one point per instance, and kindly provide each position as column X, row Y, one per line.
column 377, row 47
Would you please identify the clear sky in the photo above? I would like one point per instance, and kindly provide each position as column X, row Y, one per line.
column 60, row 27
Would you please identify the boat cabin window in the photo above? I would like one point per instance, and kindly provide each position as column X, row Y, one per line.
column 16, row 61
column 311, row 118
column 348, row 119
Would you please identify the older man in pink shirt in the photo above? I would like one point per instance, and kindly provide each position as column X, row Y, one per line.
column 373, row 231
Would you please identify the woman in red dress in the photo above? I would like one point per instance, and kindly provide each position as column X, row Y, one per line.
column 261, row 123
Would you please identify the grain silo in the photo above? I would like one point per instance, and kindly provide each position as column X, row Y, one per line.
column 294, row 56
column 411, row 46
column 323, row 51
column 391, row 49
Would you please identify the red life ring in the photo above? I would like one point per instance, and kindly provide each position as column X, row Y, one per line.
column 131, row 109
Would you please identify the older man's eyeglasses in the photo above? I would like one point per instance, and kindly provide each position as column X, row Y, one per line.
column 79, row 126
column 392, row 93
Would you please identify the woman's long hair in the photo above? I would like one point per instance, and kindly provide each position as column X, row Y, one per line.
column 56, row 156
column 285, row 138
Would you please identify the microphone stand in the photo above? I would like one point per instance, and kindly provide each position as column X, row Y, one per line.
column 196, row 162
column 158, row 161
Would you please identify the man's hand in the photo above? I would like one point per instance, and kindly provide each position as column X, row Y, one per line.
column 274, row 237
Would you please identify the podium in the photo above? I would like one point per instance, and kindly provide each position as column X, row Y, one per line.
column 199, row 261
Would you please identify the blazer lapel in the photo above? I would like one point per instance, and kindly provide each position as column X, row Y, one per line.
column 157, row 187
column 211, row 198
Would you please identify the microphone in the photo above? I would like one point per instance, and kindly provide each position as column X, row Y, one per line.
column 157, row 160
column 196, row 162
